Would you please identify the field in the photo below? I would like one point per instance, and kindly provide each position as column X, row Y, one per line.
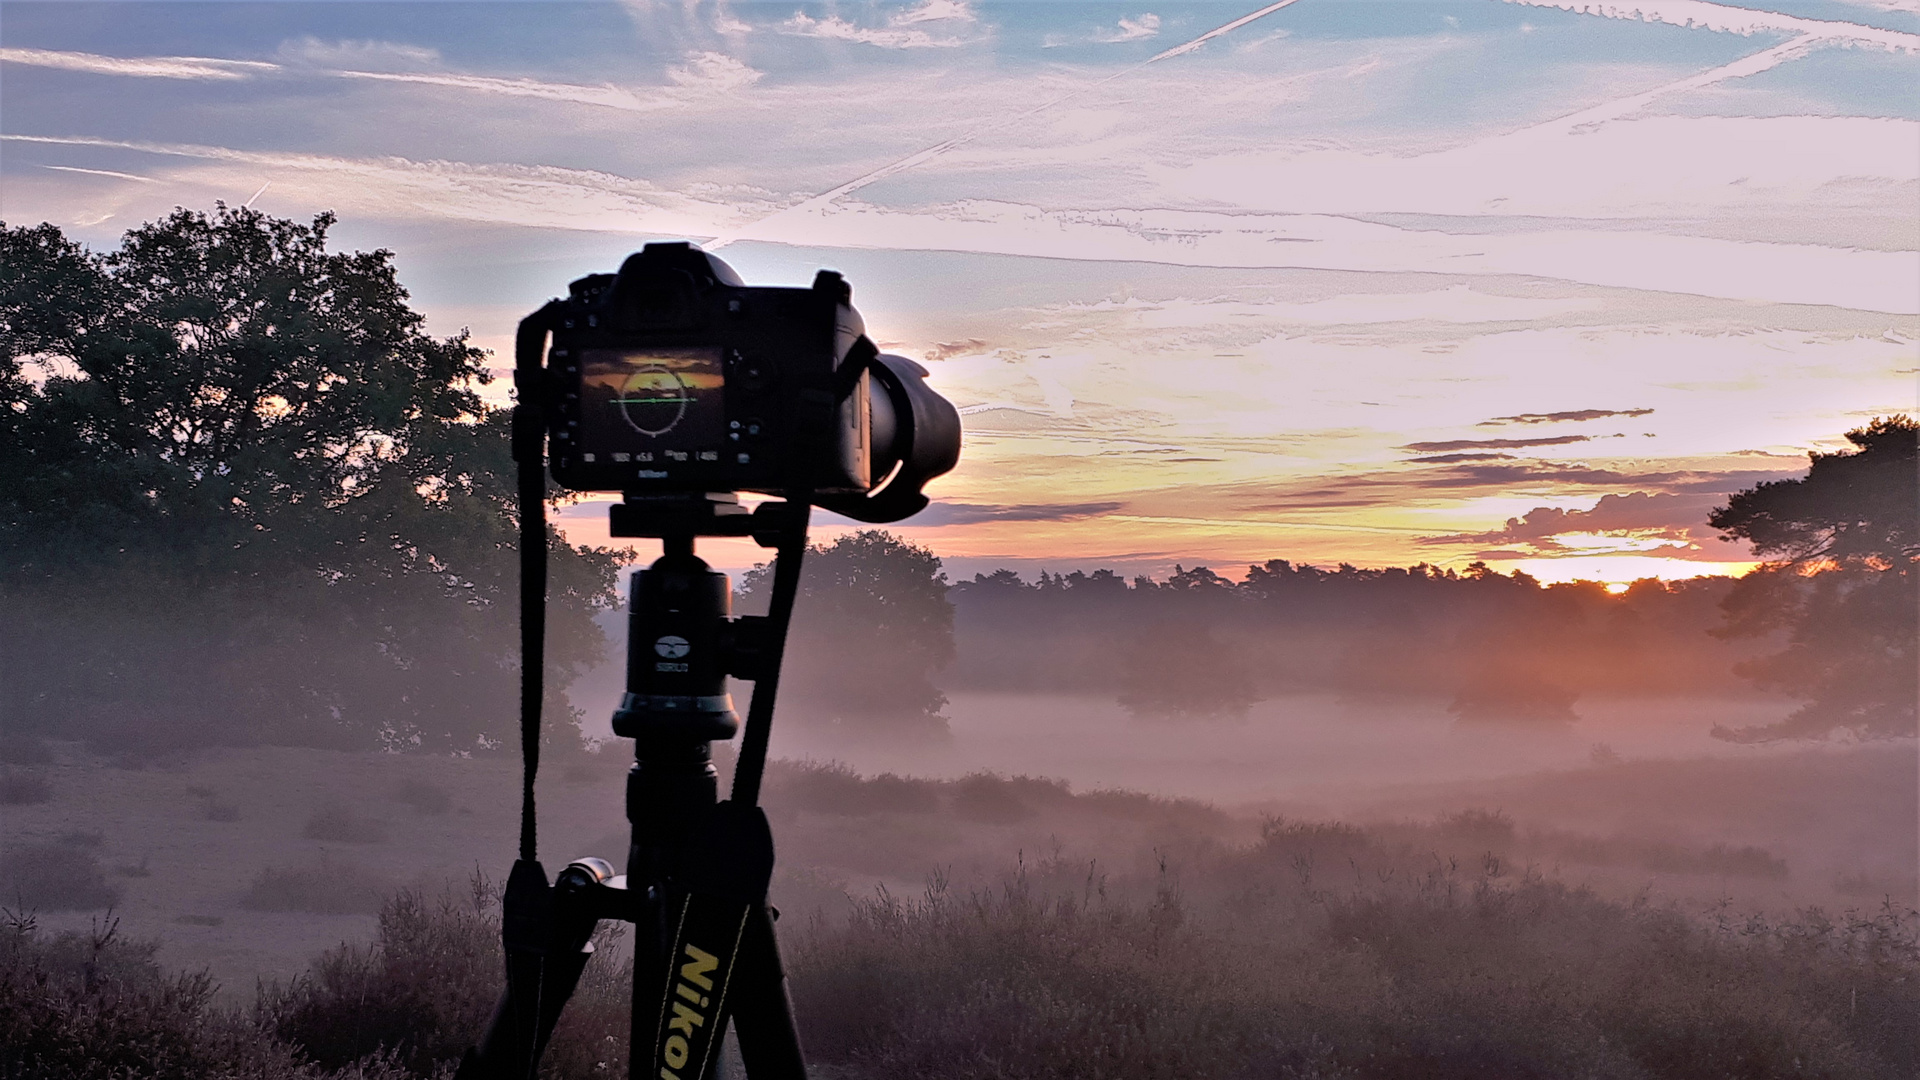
column 248, row 863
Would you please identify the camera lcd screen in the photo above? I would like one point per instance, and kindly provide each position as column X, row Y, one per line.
column 652, row 404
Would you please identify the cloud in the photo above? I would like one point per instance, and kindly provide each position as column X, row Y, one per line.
column 1571, row 416
column 1449, row 459
column 966, row 346
column 541, row 196
column 606, row 95
column 1136, row 29
column 962, row 513
column 713, row 71
column 835, row 28
column 1886, row 281
column 101, row 172
column 313, row 52
column 935, row 11
column 1493, row 444
column 699, row 72
column 1637, row 521
column 151, row 67
column 1732, row 20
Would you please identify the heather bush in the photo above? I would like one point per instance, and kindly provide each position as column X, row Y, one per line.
column 213, row 806
column 339, row 823
column 21, row 749
column 1433, row 975
column 424, row 990
column 329, row 887
column 19, row 787
column 1321, row 950
column 86, row 1006
column 56, row 876
column 424, row 796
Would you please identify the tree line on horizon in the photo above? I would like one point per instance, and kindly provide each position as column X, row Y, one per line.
column 245, row 498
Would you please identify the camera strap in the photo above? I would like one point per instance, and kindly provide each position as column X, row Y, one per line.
column 529, row 455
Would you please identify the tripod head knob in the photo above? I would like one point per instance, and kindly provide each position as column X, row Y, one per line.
column 677, row 655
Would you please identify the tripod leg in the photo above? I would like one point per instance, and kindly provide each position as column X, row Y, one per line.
column 763, row 1007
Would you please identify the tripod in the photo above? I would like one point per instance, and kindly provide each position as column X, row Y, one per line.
column 698, row 868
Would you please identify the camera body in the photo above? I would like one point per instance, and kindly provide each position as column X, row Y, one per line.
column 674, row 376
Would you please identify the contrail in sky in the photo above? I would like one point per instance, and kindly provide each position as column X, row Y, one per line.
column 931, row 152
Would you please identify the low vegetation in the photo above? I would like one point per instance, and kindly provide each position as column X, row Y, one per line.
column 19, row 787
column 328, row 887
column 341, row 824
column 1320, row 950
column 57, row 876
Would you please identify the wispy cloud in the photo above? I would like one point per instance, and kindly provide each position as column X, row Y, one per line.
column 935, row 11
column 1138, row 28
column 1674, row 524
column 1570, row 416
column 1494, row 444
column 314, row 52
column 1788, row 273
column 101, row 172
column 1734, row 20
column 150, row 67
column 713, row 71
column 392, row 187
column 605, row 96
column 704, row 71
column 965, row 513
column 899, row 33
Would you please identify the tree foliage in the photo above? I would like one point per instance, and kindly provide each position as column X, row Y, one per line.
column 1843, row 586
column 871, row 627
column 244, row 495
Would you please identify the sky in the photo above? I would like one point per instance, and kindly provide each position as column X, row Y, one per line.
column 1534, row 282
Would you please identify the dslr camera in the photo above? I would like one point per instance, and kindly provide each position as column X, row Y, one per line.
column 673, row 376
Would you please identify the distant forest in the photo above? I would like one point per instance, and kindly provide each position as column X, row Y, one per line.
column 246, row 498
column 1499, row 646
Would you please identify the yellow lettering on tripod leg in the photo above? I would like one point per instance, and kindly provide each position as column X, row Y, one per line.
column 702, row 962
column 675, row 1051
column 685, row 1019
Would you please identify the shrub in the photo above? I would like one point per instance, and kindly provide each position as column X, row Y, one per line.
column 833, row 788
column 1436, row 975
column 1513, row 697
column 83, row 1006
column 338, row 823
column 424, row 796
column 425, row 989
column 212, row 806
column 54, row 877
column 1005, row 800
column 19, row 788
column 17, row 749
column 329, row 887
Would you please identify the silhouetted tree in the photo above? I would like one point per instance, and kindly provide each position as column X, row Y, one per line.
column 1181, row 669
column 872, row 626
column 1844, row 541
column 244, row 495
